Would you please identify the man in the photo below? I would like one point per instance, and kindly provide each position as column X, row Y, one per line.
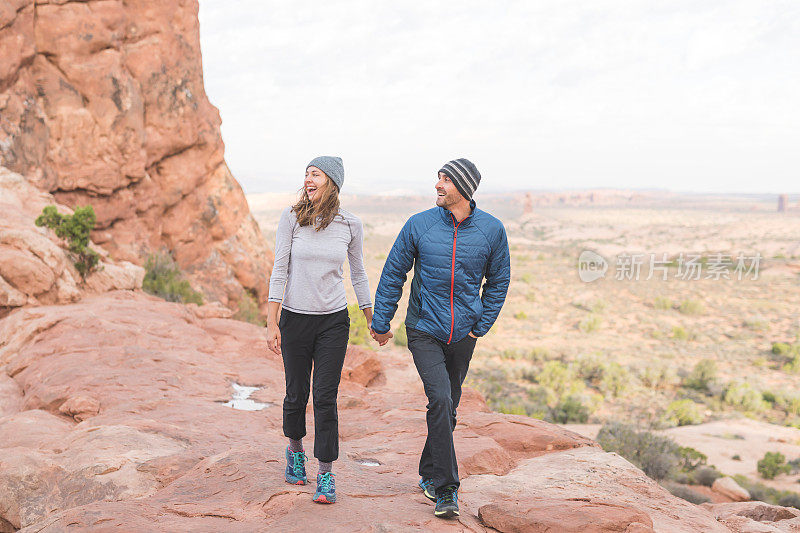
column 452, row 247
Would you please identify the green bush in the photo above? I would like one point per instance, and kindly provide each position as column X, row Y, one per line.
column 657, row 376
column 691, row 307
column 400, row 337
column 520, row 315
column 683, row 413
column 589, row 324
column 783, row 348
column 570, row 410
column 359, row 331
column 162, row 278
column 248, row 310
column 686, row 493
column 75, row 230
column 743, row 396
column 559, row 380
column 590, row 367
column 616, row 380
column 692, row 459
column 702, row 375
column 707, row 475
column 662, row 303
column 657, row 456
column 772, row 464
column 793, row 366
column 679, row 333
column 761, row 492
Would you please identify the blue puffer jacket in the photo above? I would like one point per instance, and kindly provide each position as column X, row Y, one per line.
column 450, row 261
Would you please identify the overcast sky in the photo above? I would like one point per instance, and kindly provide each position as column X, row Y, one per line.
column 546, row 94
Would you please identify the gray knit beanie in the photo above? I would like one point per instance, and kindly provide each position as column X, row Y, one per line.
column 330, row 165
column 464, row 175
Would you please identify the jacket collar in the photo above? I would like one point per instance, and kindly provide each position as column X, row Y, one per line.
column 448, row 217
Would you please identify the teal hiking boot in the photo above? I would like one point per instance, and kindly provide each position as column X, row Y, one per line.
column 326, row 488
column 296, row 468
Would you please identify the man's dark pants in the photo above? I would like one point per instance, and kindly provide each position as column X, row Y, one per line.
column 442, row 368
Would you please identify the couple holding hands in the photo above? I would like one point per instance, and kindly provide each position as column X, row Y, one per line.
column 454, row 248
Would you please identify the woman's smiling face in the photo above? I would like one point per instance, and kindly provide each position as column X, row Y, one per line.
column 315, row 183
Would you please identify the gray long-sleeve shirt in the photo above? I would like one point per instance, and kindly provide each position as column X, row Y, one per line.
column 308, row 264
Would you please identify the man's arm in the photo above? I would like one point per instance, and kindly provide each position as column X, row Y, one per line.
column 393, row 277
column 498, row 276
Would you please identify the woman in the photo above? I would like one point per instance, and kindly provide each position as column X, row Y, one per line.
column 313, row 239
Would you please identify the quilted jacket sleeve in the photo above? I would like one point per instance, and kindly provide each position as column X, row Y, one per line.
column 393, row 277
column 498, row 276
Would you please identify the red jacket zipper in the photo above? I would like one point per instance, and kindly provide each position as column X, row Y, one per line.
column 453, row 276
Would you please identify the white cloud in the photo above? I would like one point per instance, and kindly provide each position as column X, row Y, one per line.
column 677, row 94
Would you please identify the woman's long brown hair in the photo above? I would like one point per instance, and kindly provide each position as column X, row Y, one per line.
column 320, row 214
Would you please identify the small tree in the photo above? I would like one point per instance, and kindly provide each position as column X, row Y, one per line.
column 772, row 464
column 75, row 230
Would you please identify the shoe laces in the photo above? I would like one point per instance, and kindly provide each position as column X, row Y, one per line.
column 325, row 482
column 447, row 495
column 428, row 484
column 298, row 460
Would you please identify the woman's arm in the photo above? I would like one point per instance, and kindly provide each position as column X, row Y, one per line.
column 277, row 281
column 358, row 274
column 273, row 332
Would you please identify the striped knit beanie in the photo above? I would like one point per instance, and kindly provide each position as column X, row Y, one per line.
column 464, row 175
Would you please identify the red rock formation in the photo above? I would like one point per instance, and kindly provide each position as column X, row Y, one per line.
column 34, row 267
column 102, row 103
column 114, row 419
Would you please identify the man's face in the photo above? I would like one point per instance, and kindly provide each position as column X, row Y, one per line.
column 446, row 193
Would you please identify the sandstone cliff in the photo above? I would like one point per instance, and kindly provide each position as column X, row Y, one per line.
column 102, row 103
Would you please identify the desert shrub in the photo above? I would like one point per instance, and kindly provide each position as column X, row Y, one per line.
column 686, row 493
column 737, row 457
column 559, row 379
column 772, row 464
column 164, row 279
column 657, row 456
column 691, row 307
column 570, row 410
column 662, row 302
column 759, row 491
column 793, row 365
column 683, row 413
column 248, row 310
column 590, row 367
column 783, row 348
column 359, row 331
column 679, row 333
column 400, row 336
column 790, row 500
column 526, row 278
column 743, row 396
column 616, row 379
column 788, row 402
column 589, row 324
column 706, row 475
column 657, row 376
column 74, row 229
column 691, row 458
column 520, row 315
column 702, row 375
